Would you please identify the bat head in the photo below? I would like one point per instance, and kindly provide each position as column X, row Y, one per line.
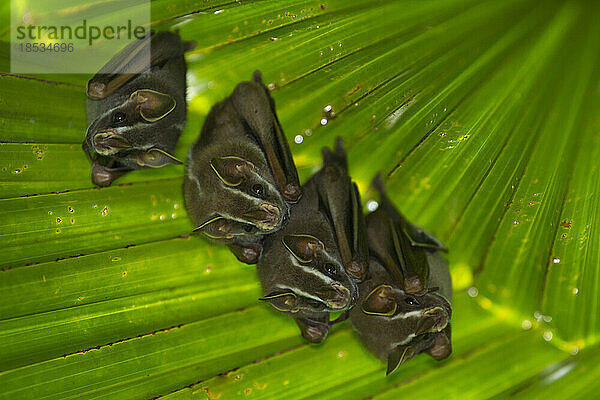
column 396, row 325
column 417, row 314
column 137, row 111
column 301, row 270
column 230, row 190
column 231, row 197
column 313, row 280
column 135, row 128
column 252, row 197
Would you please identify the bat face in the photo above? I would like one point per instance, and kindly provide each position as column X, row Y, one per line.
column 417, row 314
column 240, row 177
column 302, row 275
column 301, row 270
column 133, row 126
column 136, row 119
column 251, row 196
column 129, row 124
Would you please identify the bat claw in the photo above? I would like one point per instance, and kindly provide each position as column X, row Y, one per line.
column 292, row 192
column 257, row 77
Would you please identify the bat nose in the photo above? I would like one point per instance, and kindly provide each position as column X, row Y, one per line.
column 434, row 320
column 337, row 297
column 109, row 142
column 266, row 217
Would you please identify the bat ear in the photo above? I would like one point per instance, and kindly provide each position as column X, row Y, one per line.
column 399, row 356
column 152, row 105
column 302, row 247
column 282, row 301
column 156, row 158
column 380, row 302
column 216, row 228
column 231, row 170
column 223, row 228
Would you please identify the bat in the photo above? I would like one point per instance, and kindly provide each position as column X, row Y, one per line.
column 392, row 322
column 240, row 177
column 340, row 199
column 311, row 267
column 136, row 118
column 400, row 246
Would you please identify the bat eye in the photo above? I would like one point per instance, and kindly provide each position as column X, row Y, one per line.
column 331, row 269
column 411, row 301
column 258, row 190
column 119, row 117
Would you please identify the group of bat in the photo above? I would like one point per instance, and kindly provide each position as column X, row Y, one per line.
column 316, row 253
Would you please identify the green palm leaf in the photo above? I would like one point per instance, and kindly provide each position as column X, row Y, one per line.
column 482, row 116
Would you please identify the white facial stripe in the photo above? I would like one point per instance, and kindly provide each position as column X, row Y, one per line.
column 298, row 291
column 247, row 197
column 403, row 342
column 341, row 268
column 124, row 129
column 326, row 280
column 189, row 171
column 106, row 113
column 233, row 217
column 271, row 186
column 330, row 259
column 410, row 314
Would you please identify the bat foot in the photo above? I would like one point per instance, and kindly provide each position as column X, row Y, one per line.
column 357, row 270
column 413, row 284
column 96, row 90
column 442, row 345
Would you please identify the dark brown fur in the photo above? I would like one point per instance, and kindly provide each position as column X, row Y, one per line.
column 135, row 119
column 394, row 319
column 304, row 268
column 240, row 176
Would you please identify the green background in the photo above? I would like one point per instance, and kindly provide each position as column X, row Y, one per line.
column 482, row 116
